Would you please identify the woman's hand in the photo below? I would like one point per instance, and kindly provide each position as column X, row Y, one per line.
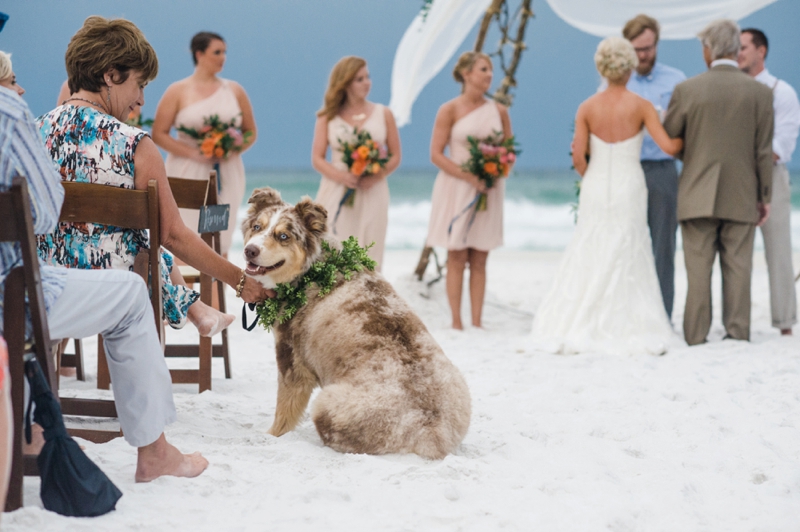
column 478, row 183
column 367, row 182
column 346, row 178
column 254, row 292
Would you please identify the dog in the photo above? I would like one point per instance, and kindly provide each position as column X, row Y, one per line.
column 387, row 386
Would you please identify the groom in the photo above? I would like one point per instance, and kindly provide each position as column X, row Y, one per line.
column 726, row 121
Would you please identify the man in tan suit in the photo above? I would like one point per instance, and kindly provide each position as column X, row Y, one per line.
column 726, row 121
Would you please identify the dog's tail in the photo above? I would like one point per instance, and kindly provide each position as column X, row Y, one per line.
column 382, row 419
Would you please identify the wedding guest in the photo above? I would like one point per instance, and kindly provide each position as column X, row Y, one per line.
column 654, row 81
column 725, row 119
column 345, row 111
column 777, row 231
column 104, row 59
column 7, row 77
column 82, row 303
column 467, row 239
column 188, row 103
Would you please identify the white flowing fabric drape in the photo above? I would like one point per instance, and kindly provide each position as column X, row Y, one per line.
column 427, row 46
column 679, row 19
column 429, row 43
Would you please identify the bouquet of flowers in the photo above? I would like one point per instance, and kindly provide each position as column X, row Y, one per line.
column 363, row 156
column 217, row 139
column 489, row 159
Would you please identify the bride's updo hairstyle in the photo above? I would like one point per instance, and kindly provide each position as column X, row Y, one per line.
column 465, row 63
column 342, row 75
column 103, row 44
column 615, row 58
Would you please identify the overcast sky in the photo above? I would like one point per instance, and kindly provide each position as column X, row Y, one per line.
column 282, row 52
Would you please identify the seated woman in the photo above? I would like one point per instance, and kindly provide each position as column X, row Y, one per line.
column 109, row 62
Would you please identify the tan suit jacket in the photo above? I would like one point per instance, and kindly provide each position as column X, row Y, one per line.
column 725, row 119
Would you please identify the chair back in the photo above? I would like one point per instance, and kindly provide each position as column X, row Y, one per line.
column 195, row 194
column 17, row 226
column 121, row 207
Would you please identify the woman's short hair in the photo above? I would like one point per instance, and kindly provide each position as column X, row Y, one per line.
column 104, row 44
column 465, row 63
column 200, row 42
column 615, row 58
column 342, row 75
column 636, row 26
column 721, row 37
column 5, row 66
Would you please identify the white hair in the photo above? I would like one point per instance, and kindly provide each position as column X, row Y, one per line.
column 615, row 58
column 5, row 65
column 721, row 37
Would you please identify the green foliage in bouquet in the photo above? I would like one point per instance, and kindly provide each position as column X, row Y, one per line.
column 322, row 275
column 489, row 159
column 218, row 138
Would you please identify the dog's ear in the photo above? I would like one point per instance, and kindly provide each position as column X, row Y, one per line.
column 313, row 215
column 261, row 198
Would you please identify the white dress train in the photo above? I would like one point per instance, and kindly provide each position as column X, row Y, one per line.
column 606, row 296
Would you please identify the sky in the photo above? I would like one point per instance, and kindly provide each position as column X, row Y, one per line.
column 282, row 52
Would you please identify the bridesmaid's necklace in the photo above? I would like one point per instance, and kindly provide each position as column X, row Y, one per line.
column 101, row 106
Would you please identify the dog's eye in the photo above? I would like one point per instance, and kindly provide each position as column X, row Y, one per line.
column 256, row 227
column 284, row 237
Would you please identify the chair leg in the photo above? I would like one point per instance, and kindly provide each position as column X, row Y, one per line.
column 103, row 375
column 204, row 375
column 15, row 339
column 79, row 359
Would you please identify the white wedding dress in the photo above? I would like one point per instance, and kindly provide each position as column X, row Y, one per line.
column 606, row 296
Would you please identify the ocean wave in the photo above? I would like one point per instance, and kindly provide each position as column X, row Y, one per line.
column 527, row 226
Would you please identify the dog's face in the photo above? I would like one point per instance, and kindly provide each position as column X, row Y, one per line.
column 281, row 241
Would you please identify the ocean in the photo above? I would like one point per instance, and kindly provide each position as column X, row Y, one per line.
column 538, row 208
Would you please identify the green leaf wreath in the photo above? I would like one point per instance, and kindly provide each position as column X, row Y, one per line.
column 322, row 275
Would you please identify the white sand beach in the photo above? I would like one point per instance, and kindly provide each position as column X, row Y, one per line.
column 702, row 438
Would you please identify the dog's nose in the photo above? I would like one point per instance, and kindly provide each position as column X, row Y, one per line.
column 251, row 252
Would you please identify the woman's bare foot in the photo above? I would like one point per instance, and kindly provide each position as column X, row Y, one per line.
column 161, row 458
column 37, row 441
column 208, row 320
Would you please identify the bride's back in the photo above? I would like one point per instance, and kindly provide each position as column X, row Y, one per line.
column 615, row 114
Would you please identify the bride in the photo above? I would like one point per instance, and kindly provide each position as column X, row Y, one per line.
column 606, row 295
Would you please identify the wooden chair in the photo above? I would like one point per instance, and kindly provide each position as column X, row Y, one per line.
column 195, row 194
column 134, row 209
column 16, row 225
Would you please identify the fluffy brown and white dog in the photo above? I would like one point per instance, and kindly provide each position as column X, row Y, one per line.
column 387, row 387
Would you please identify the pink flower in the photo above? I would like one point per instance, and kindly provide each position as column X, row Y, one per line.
column 502, row 150
column 236, row 135
column 205, row 129
column 511, row 157
column 383, row 151
column 504, row 159
column 355, row 155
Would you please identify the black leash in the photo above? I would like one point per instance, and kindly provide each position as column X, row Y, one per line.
column 244, row 317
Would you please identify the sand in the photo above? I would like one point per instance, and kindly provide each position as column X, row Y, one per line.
column 703, row 438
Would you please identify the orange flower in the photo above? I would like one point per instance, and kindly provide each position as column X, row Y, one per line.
column 363, row 151
column 375, row 168
column 490, row 168
column 504, row 169
column 358, row 167
column 207, row 147
column 219, row 152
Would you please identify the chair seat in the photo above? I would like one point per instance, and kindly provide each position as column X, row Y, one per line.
column 190, row 274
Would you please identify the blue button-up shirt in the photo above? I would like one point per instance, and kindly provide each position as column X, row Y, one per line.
column 656, row 87
column 22, row 153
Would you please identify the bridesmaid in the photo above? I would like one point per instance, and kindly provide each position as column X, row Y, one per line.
column 469, row 114
column 186, row 103
column 346, row 108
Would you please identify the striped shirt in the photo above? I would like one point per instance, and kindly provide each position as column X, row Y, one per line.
column 22, row 153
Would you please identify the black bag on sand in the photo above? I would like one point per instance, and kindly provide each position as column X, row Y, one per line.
column 72, row 485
